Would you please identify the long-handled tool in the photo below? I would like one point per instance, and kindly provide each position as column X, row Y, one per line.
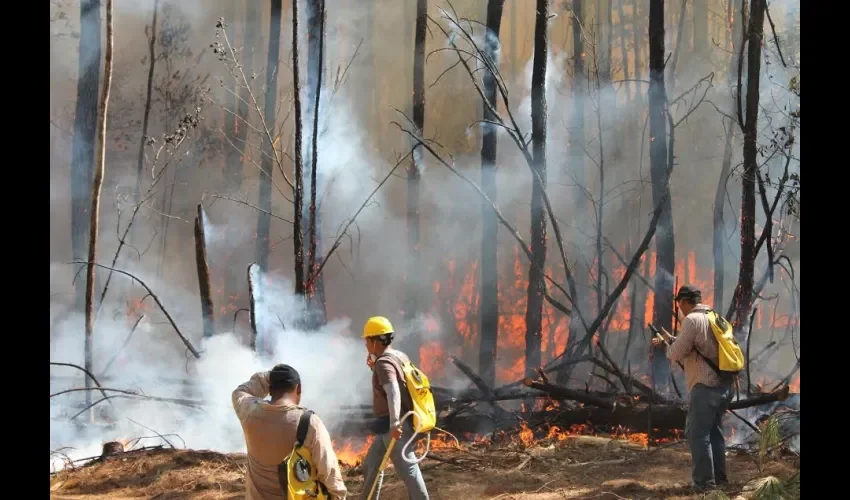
column 381, row 467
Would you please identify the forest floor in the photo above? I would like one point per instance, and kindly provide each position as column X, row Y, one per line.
column 579, row 467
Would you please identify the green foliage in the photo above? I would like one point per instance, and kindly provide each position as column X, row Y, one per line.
column 769, row 440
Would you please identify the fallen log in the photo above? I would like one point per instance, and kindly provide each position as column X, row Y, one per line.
column 559, row 392
column 482, row 386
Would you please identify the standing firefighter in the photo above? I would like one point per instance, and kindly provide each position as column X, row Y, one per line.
column 711, row 358
column 290, row 455
column 390, row 400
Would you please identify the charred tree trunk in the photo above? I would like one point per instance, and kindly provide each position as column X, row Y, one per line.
column 662, row 314
column 746, row 281
column 414, row 173
column 204, row 285
column 297, row 235
column 312, row 232
column 261, row 254
column 719, row 244
column 97, row 186
column 140, row 164
column 253, row 283
column 534, row 309
column 85, row 123
column 490, row 224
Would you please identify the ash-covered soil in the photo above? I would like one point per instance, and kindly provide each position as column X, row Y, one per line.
column 577, row 467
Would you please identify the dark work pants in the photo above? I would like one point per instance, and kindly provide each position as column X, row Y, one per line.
column 706, row 406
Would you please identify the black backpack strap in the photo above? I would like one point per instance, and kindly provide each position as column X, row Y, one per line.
column 303, row 427
column 300, row 437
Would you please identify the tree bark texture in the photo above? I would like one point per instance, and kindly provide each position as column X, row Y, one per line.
column 85, row 124
column 261, row 254
column 490, row 224
column 204, row 285
column 534, row 309
column 97, row 186
column 297, row 235
column 253, row 284
column 662, row 314
column 744, row 290
column 414, row 174
column 315, row 70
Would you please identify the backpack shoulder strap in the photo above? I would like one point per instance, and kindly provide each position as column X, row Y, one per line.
column 724, row 376
column 300, row 437
column 303, row 427
column 397, row 363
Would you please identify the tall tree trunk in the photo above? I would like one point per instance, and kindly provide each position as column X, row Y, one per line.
column 490, row 225
column 261, row 255
column 736, row 33
column 744, row 290
column 147, row 111
column 315, row 70
column 414, row 173
column 576, row 156
column 637, row 40
column 680, row 31
column 662, row 314
column 622, row 19
column 298, row 212
column 250, row 40
column 97, row 186
column 534, row 309
column 85, row 123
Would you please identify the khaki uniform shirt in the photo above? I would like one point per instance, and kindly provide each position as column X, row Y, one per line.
column 270, row 435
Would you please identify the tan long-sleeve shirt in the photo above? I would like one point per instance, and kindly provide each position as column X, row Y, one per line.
column 270, row 435
column 696, row 334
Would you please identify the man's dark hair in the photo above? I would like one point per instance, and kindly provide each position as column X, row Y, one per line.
column 283, row 379
column 385, row 339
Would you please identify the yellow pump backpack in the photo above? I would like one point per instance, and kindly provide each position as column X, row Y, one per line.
column 730, row 357
column 297, row 474
column 424, row 412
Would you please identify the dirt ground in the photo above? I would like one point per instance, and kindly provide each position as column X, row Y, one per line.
column 579, row 467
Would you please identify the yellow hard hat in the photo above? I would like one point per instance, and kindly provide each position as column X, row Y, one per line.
column 377, row 325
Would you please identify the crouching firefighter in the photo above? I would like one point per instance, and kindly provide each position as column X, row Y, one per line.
column 290, row 455
column 404, row 409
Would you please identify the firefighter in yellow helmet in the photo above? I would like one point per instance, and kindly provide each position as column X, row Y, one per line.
column 390, row 400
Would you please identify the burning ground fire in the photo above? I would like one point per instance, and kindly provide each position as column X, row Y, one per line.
column 457, row 303
column 351, row 452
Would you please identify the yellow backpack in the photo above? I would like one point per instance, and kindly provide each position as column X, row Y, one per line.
column 419, row 387
column 730, row 357
column 424, row 410
column 297, row 474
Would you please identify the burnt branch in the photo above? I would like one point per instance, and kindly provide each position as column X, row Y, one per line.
column 154, row 297
column 86, row 372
